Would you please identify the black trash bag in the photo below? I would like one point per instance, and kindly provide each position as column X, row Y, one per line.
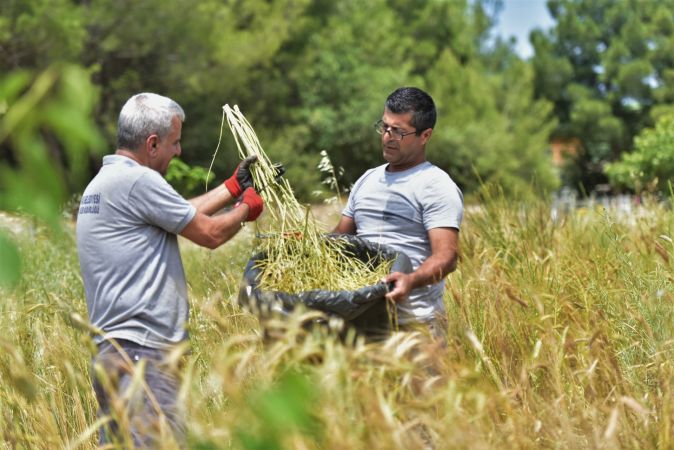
column 365, row 308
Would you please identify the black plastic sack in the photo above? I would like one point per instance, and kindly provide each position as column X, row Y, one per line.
column 364, row 308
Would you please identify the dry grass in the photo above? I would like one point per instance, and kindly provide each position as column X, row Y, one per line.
column 298, row 257
column 560, row 336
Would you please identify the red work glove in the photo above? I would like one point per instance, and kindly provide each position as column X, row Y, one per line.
column 254, row 202
column 241, row 179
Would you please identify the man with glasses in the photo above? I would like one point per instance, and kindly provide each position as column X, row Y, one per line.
column 412, row 206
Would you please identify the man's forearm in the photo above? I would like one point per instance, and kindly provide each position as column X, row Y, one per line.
column 212, row 201
column 433, row 270
column 211, row 232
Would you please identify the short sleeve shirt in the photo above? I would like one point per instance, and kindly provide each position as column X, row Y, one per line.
column 398, row 209
column 134, row 281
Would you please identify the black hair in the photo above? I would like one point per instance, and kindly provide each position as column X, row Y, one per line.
column 416, row 101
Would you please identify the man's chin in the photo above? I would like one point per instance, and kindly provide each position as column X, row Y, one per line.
column 388, row 155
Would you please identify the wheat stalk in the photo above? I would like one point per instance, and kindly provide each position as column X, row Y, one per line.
column 299, row 257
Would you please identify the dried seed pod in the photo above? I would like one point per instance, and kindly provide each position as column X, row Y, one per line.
column 299, row 258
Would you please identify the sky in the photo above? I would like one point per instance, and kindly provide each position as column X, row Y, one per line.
column 518, row 17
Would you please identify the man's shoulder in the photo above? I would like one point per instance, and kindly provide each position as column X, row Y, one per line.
column 121, row 175
column 136, row 174
column 374, row 170
column 435, row 184
column 123, row 168
column 429, row 173
column 430, row 168
column 369, row 174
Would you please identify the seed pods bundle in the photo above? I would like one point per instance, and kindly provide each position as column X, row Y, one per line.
column 299, row 257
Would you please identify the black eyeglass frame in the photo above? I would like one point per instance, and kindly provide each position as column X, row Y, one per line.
column 396, row 135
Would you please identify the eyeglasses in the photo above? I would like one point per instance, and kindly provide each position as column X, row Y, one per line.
column 394, row 132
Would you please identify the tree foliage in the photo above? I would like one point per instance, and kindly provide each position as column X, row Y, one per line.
column 310, row 75
column 650, row 166
column 344, row 64
column 607, row 68
column 46, row 137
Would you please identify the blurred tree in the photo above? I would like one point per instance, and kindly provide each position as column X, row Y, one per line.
column 47, row 134
column 649, row 168
column 491, row 130
column 35, row 33
column 606, row 65
column 189, row 181
column 341, row 64
column 310, row 75
column 341, row 77
column 201, row 54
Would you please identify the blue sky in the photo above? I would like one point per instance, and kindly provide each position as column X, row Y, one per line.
column 518, row 17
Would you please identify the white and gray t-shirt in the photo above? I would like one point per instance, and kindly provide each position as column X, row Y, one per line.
column 398, row 209
column 133, row 275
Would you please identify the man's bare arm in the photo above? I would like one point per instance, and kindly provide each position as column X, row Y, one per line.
column 212, row 232
column 346, row 225
column 212, row 201
column 443, row 259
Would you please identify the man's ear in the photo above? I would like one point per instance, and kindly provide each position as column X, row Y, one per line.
column 426, row 134
column 151, row 144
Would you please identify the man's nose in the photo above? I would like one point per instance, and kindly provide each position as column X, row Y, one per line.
column 387, row 135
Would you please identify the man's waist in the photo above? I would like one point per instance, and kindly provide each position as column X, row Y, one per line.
column 422, row 305
column 144, row 338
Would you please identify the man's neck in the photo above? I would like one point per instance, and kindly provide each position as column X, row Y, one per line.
column 403, row 167
column 133, row 155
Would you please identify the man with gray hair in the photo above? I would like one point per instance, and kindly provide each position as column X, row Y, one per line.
column 134, row 281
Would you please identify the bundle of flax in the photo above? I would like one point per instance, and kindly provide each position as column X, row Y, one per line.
column 299, row 257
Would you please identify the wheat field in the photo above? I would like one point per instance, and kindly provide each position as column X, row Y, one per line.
column 559, row 336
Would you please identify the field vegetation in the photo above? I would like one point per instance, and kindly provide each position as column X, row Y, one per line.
column 559, row 336
column 559, row 325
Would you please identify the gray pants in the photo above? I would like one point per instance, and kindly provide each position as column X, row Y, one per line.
column 137, row 407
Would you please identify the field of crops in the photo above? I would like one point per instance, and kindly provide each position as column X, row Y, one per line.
column 560, row 336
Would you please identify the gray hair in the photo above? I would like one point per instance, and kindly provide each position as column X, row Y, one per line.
column 143, row 115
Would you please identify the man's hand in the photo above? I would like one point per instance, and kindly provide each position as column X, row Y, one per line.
column 402, row 285
column 254, row 202
column 241, row 179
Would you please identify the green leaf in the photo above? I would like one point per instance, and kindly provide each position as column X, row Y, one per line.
column 285, row 408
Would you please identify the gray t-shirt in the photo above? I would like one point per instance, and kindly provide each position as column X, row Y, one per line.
column 398, row 209
column 133, row 275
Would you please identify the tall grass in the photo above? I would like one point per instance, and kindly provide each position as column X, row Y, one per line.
column 560, row 336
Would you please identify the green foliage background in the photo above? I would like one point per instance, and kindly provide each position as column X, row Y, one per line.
column 36, row 174
column 558, row 326
column 650, row 167
column 310, row 75
column 608, row 68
